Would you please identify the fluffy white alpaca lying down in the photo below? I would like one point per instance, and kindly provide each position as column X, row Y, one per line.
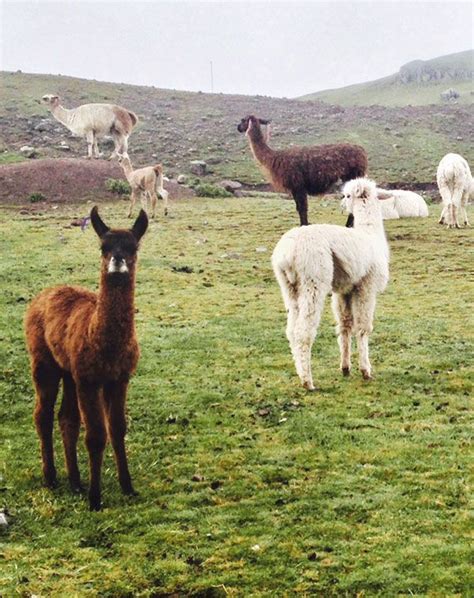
column 397, row 203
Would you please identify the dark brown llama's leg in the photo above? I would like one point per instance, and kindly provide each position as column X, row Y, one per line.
column 301, row 200
column 115, row 394
column 92, row 413
column 69, row 422
column 46, row 379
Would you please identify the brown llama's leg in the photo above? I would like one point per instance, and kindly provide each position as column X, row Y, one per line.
column 46, row 378
column 153, row 200
column 92, row 413
column 301, row 200
column 69, row 422
column 133, row 199
column 115, row 394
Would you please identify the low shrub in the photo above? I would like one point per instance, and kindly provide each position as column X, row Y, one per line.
column 118, row 186
column 36, row 197
column 207, row 190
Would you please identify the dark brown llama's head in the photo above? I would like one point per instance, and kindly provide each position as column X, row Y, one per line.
column 248, row 121
column 119, row 247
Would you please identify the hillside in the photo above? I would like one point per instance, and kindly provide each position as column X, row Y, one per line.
column 404, row 144
column 418, row 83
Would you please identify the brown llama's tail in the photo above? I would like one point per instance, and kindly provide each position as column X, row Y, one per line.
column 133, row 117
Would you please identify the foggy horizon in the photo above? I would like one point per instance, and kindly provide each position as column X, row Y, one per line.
column 283, row 49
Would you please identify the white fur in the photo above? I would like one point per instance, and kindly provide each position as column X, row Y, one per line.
column 397, row 203
column 117, row 266
column 311, row 261
column 92, row 121
column 145, row 183
column 456, row 187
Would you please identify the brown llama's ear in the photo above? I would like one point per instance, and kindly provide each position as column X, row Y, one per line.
column 263, row 121
column 99, row 226
column 140, row 226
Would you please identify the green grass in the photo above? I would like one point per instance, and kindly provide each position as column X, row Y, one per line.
column 11, row 158
column 359, row 489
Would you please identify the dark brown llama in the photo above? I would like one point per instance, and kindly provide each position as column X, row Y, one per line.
column 303, row 171
column 88, row 340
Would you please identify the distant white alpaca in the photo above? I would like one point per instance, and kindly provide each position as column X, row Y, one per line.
column 456, row 187
column 397, row 203
column 311, row 261
column 145, row 182
column 95, row 120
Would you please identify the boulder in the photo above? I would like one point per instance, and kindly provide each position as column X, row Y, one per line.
column 231, row 186
column 198, row 167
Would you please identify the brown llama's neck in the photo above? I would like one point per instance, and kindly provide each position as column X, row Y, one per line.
column 260, row 150
column 113, row 322
column 127, row 167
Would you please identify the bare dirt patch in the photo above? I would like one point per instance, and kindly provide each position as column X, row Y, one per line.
column 66, row 181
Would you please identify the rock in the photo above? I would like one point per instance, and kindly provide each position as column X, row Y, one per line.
column 63, row 146
column 182, row 179
column 45, row 125
column 28, row 151
column 261, row 249
column 198, row 167
column 231, row 186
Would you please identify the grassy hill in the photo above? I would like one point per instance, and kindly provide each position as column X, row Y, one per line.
column 417, row 83
column 404, row 144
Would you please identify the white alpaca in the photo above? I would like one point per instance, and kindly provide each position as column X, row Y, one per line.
column 311, row 261
column 95, row 120
column 145, row 182
column 456, row 187
column 397, row 203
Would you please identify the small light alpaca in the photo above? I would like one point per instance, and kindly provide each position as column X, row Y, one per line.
column 95, row 120
column 88, row 340
column 456, row 187
column 145, row 183
column 397, row 203
column 303, row 170
column 311, row 261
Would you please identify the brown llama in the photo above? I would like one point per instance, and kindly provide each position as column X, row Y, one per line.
column 303, row 170
column 88, row 340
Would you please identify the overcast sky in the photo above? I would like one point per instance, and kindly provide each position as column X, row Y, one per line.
column 270, row 48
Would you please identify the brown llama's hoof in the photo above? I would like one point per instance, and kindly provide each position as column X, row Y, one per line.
column 129, row 491
column 51, row 483
column 346, row 371
column 95, row 505
column 76, row 487
column 94, row 502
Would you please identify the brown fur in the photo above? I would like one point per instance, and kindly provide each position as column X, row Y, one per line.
column 88, row 341
column 126, row 120
column 304, row 170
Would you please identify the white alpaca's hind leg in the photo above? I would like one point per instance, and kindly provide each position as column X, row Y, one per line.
column 443, row 215
column 310, row 306
column 363, row 308
column 90, row 137
column 342, row 308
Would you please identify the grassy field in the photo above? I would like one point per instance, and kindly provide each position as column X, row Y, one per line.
column 249, row 486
